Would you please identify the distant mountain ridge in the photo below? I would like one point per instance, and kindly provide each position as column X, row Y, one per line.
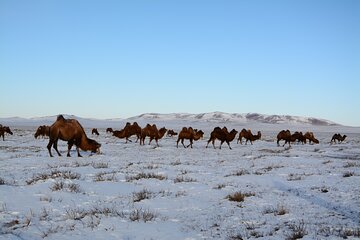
column 237, row 117
column 219, row 117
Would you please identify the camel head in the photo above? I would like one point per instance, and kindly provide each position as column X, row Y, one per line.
column 93, row 146
column 7, row 129
column 39, row 131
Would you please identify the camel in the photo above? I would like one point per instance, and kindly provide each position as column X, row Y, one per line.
column 247, row 134
column 310, row 137
column 223, row 135
column 337, row 136
column 284, row 135
column 3, row 130
column 132, row 129
column 95, row 131
column 42, row 131
column 153, row 133
column 128, row 131
column 299, row 137
column 71, row 131
column 189, row 133
column 109, row 130
column 171, row 133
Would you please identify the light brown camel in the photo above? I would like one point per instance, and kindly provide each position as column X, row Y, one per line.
column 71, row 131
column 310, row 136
column 223, row 135
column 153, row 133
column 247, row 134
column 189, row 133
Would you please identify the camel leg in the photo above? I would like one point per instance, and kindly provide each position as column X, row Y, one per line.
column 55, row 147
column 208, row 143
column 157, row 143
column 150, row 140
column 182, row 141
column 70, row 144
column 49, row 147
column 278, row 142
column 78, row 151
column 177, row 143
column 190, row 145
column 228, row 144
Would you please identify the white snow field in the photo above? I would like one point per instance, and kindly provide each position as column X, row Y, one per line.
column 128, row 191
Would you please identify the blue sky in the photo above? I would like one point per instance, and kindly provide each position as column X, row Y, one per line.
column 107, row 59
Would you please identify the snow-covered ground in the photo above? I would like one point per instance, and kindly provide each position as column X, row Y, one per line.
column 142, row 192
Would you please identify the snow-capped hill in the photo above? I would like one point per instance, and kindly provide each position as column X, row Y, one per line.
column 212, row 117
column 235, row 117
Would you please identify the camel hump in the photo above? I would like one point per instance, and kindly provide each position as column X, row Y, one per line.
column 217, row 129
column 184, row 129
column 60, row 118
column 135, row 124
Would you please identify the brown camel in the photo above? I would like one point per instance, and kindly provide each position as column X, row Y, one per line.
column 42, row 131
column 299, row 137
column 128, row 131
column 223, row 135
column 310, row 136
column 171, row 133
column 71, row 131
column 109, row 130
column 95, row 131
column 153, row 133
column 132, row 129
column 189, row 133
column 3, row 130
column 284, row 135
column 337, row 136
column 247, row 134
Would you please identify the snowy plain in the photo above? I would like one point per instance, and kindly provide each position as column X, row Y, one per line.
column 130, row 191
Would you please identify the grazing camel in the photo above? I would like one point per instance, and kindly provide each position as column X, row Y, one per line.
column 42, row 131
column 153, row 133
column 3, row 130
column 171, row 133
column 337, row 136
column 310, row 136
column 71, row 131
column 223, row 135
column 247, row 134
column 95, row 131
column 109, row 130
column 189, row 133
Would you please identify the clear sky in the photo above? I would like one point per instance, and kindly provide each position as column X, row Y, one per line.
column 109, row 59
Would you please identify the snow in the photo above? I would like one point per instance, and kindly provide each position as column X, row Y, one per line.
column 314, row 188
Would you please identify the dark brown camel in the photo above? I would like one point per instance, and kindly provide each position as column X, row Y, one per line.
column 189, row 133
column 247, row 134
column 284, row 135
column 95, row 131
column 109, row 130
column 132, row 129
column 3, row 130
column 310, row 136
column 171, row 133
column 42, row 131
column 223, row 135
column 153, row 133
column 298, row 136
column 71, row 131
column 338, row 137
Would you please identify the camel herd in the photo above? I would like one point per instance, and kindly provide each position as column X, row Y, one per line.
column 70, row 130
